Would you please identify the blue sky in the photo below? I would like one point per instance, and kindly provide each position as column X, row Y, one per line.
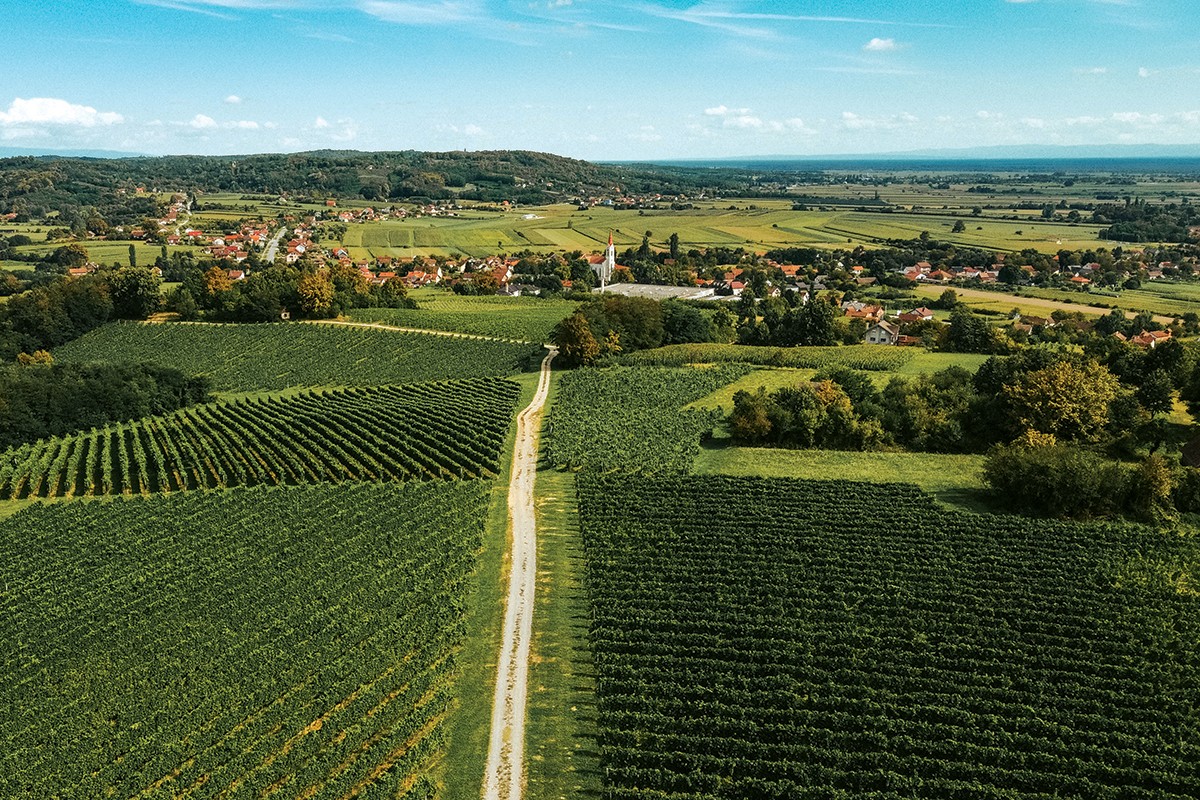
column 642, row 79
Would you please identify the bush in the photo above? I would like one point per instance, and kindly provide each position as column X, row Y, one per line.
column 1057, row 481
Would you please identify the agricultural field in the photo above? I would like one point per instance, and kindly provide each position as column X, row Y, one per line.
column 861, row 356
column 528, row 319
column 632, row 418
column 799, row 638
column 278, row 356
column 734, row 222
column 209, row 644
column 364, row 434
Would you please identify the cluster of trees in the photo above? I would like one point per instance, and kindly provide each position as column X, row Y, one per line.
column 615, row 324
column 66, row 308
column 1139, row 221
column 266, row 295
column 1052, row 421
column 1046, row 395
column 40, row 399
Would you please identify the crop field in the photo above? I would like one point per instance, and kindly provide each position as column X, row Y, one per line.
column 412, row 432
column 278, row 356
column 529, row 319
column 735, row 222
column 859, row 356
column 789, row 638
column 632, row 418
column 225, row 644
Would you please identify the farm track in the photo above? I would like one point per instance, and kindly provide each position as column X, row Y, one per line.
column 505, row 777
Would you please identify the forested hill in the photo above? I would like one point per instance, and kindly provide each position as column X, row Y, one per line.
column 517, row 175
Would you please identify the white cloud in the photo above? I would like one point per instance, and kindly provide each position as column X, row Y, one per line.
column 243, row 124
column 233, row 100
column 202, row 122
column 321, row 122
column 855, row 122
column 1091, row 71
column 473, row 130
column 878, row 45
column 54, row 111
column 1144, row 73
column 724, row 111
column 744, row 121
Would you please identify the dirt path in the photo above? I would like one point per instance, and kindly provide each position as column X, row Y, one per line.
column 505, row 778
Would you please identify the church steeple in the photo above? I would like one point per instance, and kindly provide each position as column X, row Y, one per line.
column 605, row 270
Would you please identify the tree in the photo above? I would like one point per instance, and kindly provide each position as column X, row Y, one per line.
column 1068, row 400
column 70, row 256
column 959, row 226
column 751, row 419
column 576, row 343
column 1157, row 392
column 316, row 292
column 969, row 333
column 132, row 256
column 217, row 281
column 136, row 292
column 947, row 300
column 673, row 245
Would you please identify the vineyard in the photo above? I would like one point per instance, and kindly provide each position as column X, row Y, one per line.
column 529, row 319
column 631, row 418
column 418, row 431
column 254, row 357
column 859, row 356
column 266, row 642
column 787, row 639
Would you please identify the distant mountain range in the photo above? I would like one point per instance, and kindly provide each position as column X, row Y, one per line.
column 1008, row 153
column 14, row 152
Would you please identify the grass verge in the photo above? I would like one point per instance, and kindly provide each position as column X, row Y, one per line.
column 561, row 730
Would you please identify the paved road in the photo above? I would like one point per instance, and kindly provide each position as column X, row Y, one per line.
column 273, row 245
column 505, row 777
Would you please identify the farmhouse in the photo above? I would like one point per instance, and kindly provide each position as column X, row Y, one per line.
column 882, row 333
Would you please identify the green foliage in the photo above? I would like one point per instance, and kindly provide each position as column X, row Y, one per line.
column 1057, row 480
column 630, row 418
column 136, row 292
column 970, row 333
column 223, row 641
column 368, row 434
column 51, row 315
column 36, row 402
column 868, row 357
column 758, row 638
column 250, row 357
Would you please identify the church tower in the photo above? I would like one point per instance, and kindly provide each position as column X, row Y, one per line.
column 605, row 269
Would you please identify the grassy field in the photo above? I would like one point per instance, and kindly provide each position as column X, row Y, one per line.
column 529, row 319
column 1003, row 302
column 956, row 480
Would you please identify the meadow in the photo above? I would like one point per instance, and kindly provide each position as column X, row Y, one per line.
column 526, row 319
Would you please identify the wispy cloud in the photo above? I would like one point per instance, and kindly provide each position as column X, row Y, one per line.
column 716, row 16
column 878, row 45
column 425, row 12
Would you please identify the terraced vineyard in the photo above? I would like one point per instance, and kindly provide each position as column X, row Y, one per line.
column 294, row 642
column 253, row 357
column 784, row 639
column 529, row 319
column 631, row 418
column 859, row 356
column 417, row 431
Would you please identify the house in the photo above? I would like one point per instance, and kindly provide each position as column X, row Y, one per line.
column 78, row 272
column 917, row 315
column 863, row 311
column 237, row 274
column 1151, row 339
column 882, row 333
